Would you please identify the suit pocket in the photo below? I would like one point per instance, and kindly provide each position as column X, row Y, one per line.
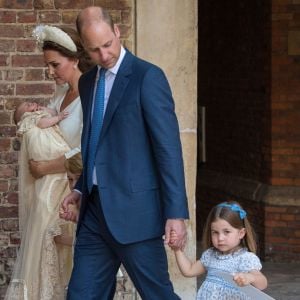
column 144, row 183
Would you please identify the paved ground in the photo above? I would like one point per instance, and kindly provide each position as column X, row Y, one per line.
column 283, row 279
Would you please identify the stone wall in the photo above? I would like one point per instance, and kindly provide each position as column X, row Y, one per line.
column 285, row 87
column 166, row 34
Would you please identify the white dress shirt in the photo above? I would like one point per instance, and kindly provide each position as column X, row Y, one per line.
column 110, row 76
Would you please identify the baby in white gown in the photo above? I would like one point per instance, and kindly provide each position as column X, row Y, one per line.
column 48, row 119
column 43, row 267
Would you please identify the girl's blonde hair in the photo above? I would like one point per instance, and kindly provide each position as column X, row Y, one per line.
column 74, row 164
column 235, row 215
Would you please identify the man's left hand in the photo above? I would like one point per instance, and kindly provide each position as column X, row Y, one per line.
column 179, row 227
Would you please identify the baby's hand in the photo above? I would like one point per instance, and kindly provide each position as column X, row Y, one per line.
column 41, row 107
column 62, row 115
column 242, row 279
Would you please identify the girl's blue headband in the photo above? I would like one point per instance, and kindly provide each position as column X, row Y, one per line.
column 236, row 208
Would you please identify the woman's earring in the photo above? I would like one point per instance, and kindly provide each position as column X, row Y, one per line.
column 74, row 66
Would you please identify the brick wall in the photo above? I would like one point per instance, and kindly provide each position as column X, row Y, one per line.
column 285, row 95
column 282, row 227
column 23, row 77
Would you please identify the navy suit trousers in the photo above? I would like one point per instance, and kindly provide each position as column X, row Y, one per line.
column 97, row 258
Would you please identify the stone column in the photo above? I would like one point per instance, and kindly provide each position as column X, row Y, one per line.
column 166, row 34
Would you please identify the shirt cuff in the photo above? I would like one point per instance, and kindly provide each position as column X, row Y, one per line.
column 72, row 152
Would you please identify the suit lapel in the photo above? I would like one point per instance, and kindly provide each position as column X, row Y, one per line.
column 87, row 103
column 117, row 91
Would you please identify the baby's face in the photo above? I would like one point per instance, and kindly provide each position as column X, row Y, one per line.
column 31, row 106
column 23, row 108
column 28, row 107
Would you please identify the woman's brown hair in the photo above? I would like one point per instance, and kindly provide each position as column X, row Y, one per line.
column 84, row 63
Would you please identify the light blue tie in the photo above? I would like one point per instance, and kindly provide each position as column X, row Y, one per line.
column 96, row 125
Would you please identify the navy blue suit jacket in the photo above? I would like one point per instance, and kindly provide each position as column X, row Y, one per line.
column 139, row 163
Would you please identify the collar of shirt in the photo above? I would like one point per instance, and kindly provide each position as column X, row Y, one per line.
column 115, row 68
column 110, row 76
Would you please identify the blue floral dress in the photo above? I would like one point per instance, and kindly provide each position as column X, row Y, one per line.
column 214, row 287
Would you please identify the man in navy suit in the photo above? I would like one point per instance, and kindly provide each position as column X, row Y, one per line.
column 137, row 191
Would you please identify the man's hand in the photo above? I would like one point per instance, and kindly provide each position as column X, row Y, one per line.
column 67, row 211
column 179, row 227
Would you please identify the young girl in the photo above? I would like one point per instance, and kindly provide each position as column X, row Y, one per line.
column 73, row 166
column 229, row 244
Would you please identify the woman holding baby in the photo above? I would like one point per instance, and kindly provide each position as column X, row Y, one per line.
column 43, row 265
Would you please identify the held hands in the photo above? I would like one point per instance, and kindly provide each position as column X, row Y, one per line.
column 71, row 214
column 175, row 233
column 69, row 209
